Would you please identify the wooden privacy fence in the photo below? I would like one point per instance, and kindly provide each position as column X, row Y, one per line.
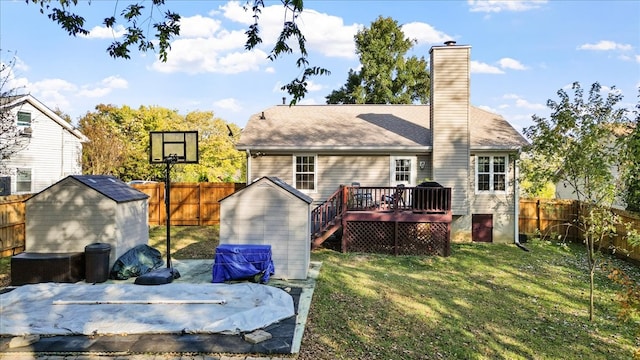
column 552, row 217
column 12, row 224
column 191, row 203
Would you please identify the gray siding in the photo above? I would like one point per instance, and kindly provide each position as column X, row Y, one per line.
column 450, row 121
column 332, row 171
column 501, row 205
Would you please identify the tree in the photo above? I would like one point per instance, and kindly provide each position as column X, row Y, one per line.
column 167, row 27
column 631, row 170
column 12, row 138
column 103, row 154
column 386, row 75
column 578, row 145
column 119, row 144
column 219, row 160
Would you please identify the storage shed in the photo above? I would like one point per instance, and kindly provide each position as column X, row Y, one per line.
column 270, row 212
column 83, row 209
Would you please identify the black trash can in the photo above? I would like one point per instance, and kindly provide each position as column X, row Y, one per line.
column 96, row 259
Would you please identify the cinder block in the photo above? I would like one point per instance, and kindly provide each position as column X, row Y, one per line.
column 257, row 336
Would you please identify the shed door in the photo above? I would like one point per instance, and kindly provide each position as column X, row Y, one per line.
column 482, row 227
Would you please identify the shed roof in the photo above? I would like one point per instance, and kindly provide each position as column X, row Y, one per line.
column 277, row 181
column 366, row 127
column 111, row 187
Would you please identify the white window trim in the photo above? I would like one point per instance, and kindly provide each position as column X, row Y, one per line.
column 315, row 173
column 392, row 170
column 491, row 174
column 15, row 182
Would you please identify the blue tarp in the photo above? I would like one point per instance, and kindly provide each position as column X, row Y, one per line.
column 242, row 262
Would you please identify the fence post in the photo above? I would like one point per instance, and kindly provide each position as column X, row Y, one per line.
column 538, row 223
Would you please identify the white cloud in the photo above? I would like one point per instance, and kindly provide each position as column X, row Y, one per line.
column 328, row 34
column 201, row 55
column 425, row 33
column 488, row 108
column 638, row 58
column 198, row 26
column 270, row 70
column 215, row 43
column 482, row 68
column 605, row 45
column 509, row 63
column 311, row 86
column 9, row 73
column 230, row 104
column 115, row 82
column 522, row 103
column 103, row 32
column 51, row 92
column 496, row 6
column 105, row 87
column 234, row 11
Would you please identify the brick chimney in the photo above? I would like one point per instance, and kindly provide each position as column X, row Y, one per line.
column 449, row 110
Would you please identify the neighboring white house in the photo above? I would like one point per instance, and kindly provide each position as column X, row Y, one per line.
column 54, row 150
column 316, row 148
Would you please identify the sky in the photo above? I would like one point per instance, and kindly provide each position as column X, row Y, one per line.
column 522, row 53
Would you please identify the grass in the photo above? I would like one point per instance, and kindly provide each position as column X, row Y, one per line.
column 485, row 301
column 187, row 242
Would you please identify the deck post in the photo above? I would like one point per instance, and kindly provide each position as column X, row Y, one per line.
column 395, row 238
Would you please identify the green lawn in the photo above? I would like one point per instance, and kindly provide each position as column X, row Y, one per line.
column 482, row 302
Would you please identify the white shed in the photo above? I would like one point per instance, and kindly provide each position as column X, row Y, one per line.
column 271, row 212
column 83, row 209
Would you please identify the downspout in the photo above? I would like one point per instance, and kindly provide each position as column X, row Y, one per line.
column 516, row 204
column 248, row 167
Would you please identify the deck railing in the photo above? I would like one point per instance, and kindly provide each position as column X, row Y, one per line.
column 431, row 200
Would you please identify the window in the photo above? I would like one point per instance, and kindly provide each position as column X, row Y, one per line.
column 23, row 180
column 305, row 172
column 24, row 118
column 403, row 170
column 491, row 173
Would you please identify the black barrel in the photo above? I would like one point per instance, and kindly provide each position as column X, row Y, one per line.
column 96, row 257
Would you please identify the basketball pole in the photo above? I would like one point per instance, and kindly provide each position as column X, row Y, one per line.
column 169, row 160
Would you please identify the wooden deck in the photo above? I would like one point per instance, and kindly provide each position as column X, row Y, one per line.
column 394, row 220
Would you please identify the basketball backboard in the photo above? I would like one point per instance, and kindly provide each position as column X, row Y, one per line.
column 177, row 146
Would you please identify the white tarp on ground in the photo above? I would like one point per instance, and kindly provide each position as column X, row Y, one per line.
column 64, row 309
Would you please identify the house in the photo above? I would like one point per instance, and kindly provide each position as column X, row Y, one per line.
column 270, row 212
column 53, row 149
column 80, row 210
column 318, row 148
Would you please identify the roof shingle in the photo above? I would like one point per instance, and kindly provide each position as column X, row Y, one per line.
column 364, row 127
